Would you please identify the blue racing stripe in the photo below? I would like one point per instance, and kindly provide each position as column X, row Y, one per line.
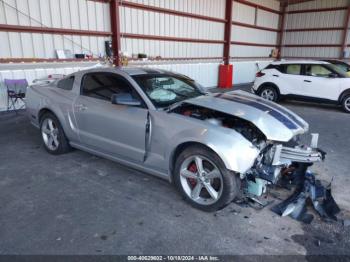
column 280, row 117
column 261, row 100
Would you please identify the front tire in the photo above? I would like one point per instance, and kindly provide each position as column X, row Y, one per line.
column 55, row 141
column 346, row 104
column 269, row 93
column 203, row 180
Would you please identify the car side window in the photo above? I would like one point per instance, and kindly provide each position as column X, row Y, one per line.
column 293, row 69
column 104, row 85
column 317, row 70
column 66, row 83
column 277, row 67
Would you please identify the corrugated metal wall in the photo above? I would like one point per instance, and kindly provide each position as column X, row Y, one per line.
column 145, row 22
column 68, row 14
column 138, row 21
column 256, row 17
column 317, row 4
column 325, row 19
column 205, row 73
column 94, row 16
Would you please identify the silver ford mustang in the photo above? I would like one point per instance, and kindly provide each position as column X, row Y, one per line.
column 165, row 124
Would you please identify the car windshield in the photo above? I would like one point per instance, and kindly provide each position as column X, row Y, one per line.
column 336, row 69
column 164, row 90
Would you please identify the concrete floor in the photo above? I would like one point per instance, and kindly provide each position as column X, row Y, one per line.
column 81, row 204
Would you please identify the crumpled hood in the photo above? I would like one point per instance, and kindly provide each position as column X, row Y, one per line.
column 276, row 122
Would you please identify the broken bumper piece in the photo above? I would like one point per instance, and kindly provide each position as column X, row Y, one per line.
column 308, row 188
column 285, row 155
column 285, row 165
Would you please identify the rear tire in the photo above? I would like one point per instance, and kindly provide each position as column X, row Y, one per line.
column 203, row 180
column 53, row 136
column 346, row 104
column 269, row 92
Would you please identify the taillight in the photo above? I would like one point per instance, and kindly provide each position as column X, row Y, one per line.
column 259, row 74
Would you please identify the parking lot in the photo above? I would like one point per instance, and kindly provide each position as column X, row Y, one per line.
column 81, row 204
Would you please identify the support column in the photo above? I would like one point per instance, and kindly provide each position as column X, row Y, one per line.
column 226, row 70
column 228, row 26
column 115, row 27
column 345, row 34
column 281, row 29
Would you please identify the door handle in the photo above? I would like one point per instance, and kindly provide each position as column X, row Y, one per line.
column 307, row 81
column 276, row 75
column 81, row 107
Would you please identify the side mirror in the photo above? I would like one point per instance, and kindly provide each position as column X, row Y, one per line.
column 333, row 75
column 124, row 99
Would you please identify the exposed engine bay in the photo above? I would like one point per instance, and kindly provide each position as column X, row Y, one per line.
column 245, row 128
column 277, row 161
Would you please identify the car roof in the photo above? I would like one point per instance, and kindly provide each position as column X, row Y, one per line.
column 142, row 70
column 335, row 61
column 298, row 62
column 128, row 70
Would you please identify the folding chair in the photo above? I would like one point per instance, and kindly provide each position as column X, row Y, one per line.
column 16, row 90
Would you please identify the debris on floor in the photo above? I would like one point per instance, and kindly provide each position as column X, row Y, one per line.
column 308, row 191
column 346, row 222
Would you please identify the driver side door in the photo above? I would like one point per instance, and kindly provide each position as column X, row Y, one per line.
column 118, row 130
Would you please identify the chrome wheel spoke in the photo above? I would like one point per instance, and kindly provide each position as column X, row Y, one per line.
column 55, row 140
column 212, row 192
column 46, row 131
column 50, row 124
column 196, row 191
column 50, row 141
column 188, row 174
column 215, row 173
column 199, row 164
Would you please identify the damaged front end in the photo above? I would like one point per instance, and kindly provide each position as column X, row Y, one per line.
column 288, row 164
column 278, row 162
column 276, row 157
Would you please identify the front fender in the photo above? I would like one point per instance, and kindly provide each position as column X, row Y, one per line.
column 237, row 153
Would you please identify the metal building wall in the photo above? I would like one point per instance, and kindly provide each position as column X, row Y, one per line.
column 67, row 14
column 191, row 31
column 259, row 39
column 138, row 24
column 315, row 29
column 254, row 30
column 194, row 30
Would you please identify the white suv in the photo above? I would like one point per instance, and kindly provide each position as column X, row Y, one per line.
column 306, row 80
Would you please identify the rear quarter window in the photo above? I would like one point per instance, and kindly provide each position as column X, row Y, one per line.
column 277, row 67
column 66, row 83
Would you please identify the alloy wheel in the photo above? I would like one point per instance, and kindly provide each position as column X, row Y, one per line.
column 268, row 94
column 201, row 180
column 49, row 132
column 347, row 104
